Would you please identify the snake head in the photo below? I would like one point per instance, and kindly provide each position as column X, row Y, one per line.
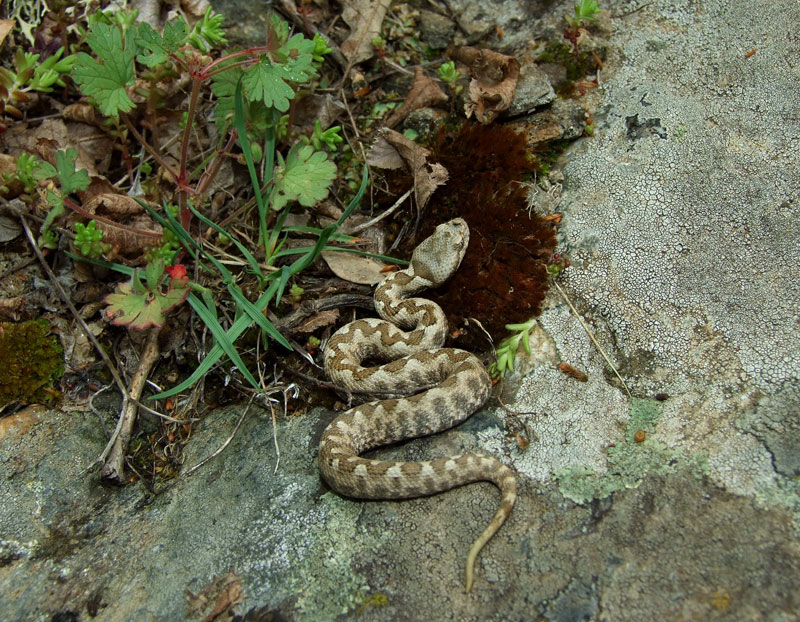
column 438, row 256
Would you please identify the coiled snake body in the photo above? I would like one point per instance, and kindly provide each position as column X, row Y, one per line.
column 410, row 335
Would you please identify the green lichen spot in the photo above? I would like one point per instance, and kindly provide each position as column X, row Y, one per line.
column 32, row 361
column 376, row 599
column 630, row 462
column 644, row 416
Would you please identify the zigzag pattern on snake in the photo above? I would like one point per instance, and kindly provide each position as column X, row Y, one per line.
column 410, row 336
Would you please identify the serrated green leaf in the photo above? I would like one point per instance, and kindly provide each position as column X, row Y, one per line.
column 305, row 176
column 267, row 82
column 44, row 170
column 297, row 55
column 153, row 272
column 160, row 47
column 70, row 179
column 140, row 307
column 105, row 80
column 277, row 31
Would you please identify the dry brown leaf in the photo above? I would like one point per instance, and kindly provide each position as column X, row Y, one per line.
column 494, row 81
column 195, row 8
column 13, row 309
column 83, row 112
column 94, row 147
column 365, row 18
column 224, row 592
column 354, row 268
column 113, row 205
column 424, row 92
column 9, row 228
column 318, row 320
column 8, row 167
column 6, row 26
column 391, row 148
column 124, row 223
column 323, row 108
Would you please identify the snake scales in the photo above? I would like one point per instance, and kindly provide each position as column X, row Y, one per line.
column 410, row 336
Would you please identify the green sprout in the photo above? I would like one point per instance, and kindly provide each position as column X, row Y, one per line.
column 31, row 75
column 207, row 33
column 25, row 174
column 330, row 136
column 584, row 12
column 448, row 72
column 89, row 240
column 450, row 75
column 507, row 349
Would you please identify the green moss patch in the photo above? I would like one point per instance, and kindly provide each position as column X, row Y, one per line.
column 32, row 361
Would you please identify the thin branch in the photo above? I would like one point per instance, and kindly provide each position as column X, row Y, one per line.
column 381, row 216
column 591, row 336
column 275, row 433
column 114, row 468
column 153, row 153
column 222, row 447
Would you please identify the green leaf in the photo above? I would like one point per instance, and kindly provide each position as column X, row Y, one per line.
column 153, row 273
column 105, row 80
column 306, row 177
column 297, row 55
column 70, row 179
column 277, row 32
column 42, row 170
column 160, row 47
column 268, row 82
column 586, row 10
column 139, row 306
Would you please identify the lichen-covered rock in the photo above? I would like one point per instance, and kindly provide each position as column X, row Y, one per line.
column 681, row 222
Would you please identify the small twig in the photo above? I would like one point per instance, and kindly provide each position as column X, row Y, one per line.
column 310, row 307
column 631, row 12
column 222, row 447
column 473, row 320
column 97, row 412
column 504, row 406
column 17, row 267
column 381, row 216
column 113, row 468
column 275, row 434
column 591, row 336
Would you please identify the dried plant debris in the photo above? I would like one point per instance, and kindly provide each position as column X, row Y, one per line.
column 424, row 92
column 216, row 600
column 365, row 18
column 494, row 81
column 354, row 268
column 392, row 150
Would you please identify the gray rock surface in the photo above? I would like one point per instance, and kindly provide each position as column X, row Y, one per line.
column 681, row 221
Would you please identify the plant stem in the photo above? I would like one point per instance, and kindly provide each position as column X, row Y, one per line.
column 153, row 153
column 186, row 215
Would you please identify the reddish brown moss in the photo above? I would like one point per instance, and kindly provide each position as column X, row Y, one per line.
column 503, row 278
